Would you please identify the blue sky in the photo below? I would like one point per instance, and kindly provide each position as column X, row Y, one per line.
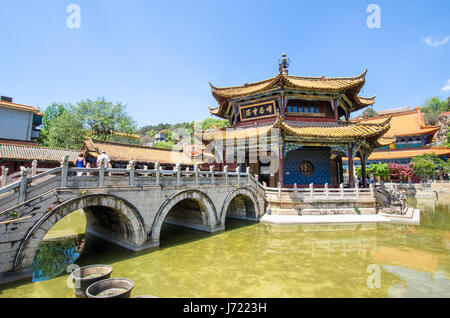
column 157, row 57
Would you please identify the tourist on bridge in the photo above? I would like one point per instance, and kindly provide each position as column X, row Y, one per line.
column 80, row 162
column 106, row 161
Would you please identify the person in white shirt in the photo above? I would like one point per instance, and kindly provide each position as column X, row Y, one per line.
column 106, row 162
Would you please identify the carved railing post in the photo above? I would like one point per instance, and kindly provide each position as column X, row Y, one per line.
column 4, row 176
column 132, row 168
column 326, row 190
column 341, row 186
column 372, row 189
column 158, row 172
column 23, row 185
column 145, row 168
column 225, row 172
column 101, row 173
column 256, row 182
column 311, row 190
column 64, row 171
column 88, row 166
column 178, row 169
column 238, row 174
column 196, row 173
column 247, row 171
column 211, row 169
column 33, row 167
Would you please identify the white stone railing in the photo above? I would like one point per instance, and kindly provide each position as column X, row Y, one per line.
column 6, row 179
column 326, row 193
column 66, row 177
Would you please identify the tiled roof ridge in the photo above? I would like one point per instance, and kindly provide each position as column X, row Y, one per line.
column 94, row 141
column 280, row 76
column 358, row 77
column 244, row 85
column 39, row 147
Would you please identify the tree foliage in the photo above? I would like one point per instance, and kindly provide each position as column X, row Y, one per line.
column 102, row 118
column 67, row 126
column 66, row 131
column 428, row 166
column 370, row 112
column 377, row 170
column 175, row 133
column 51, row 113
column 400, row 172
column 432, row 108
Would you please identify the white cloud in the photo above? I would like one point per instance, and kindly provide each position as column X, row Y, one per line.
column 434, row 43
column 446, row 87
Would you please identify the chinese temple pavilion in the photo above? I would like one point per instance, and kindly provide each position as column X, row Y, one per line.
column 410, row 134
column 311, row 115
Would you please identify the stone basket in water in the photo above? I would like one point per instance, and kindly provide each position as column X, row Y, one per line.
column 86, row 276
column 111, row 288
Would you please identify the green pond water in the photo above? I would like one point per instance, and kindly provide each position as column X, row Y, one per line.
column 259, row 260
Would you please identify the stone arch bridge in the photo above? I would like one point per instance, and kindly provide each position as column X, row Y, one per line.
column 124, row 206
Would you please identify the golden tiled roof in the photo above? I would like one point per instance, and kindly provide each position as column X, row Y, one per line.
column 350, row 85
column 299, row 82
column 342, row 131
column 28, row 153
column 407, row 153
column 383, row 141
column 405, row 123
column 117, row 151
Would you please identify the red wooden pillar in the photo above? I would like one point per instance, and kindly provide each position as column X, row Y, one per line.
column 351, row 181
column 336, row 113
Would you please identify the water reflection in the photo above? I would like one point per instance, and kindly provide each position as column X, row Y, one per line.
column 53, row 257
column 259, row 260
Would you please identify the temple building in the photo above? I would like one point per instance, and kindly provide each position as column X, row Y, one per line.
column 410, row 134
column 311, row 116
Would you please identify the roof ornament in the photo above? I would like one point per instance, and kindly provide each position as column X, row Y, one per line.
column 284, row 64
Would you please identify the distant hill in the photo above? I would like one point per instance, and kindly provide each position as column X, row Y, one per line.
column 165, row 136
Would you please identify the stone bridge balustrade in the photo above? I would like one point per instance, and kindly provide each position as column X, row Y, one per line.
column 126, row 207
column 326, row 200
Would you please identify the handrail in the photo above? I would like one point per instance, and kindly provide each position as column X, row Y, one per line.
column 101, row 174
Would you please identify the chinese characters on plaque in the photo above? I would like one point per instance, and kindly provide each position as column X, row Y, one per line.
column 260, row 110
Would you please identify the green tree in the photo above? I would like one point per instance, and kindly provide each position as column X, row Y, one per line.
column 50, row 114
column 370, row 112
column 432, row 108
column 102, row 118
column 379, row 170
column 66, row 131
column 214, row 123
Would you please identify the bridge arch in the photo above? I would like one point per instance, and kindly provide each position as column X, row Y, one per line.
column 107, row 216
column 205, row 204
column 247, row 195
